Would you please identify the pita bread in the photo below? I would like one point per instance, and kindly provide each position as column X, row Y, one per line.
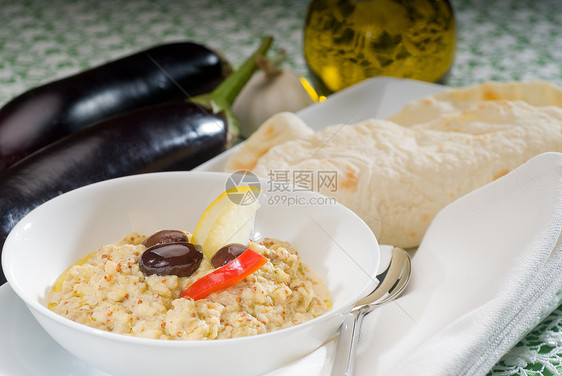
column 397, row 178
column 537, row 93
column 279, row 128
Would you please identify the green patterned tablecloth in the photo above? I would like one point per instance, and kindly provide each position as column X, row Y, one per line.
column 497, row 40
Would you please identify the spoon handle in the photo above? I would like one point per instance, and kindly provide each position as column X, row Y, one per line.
column 347, row 343
column 394, row 281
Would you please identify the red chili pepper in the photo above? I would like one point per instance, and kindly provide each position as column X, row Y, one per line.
column 225, row 276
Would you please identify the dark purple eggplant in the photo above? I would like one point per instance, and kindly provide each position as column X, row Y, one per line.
column 165, row 137
column 165, row 73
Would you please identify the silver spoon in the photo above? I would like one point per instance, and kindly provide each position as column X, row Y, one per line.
column 393, row 281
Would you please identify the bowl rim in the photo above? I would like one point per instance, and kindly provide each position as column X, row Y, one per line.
column 36, row 306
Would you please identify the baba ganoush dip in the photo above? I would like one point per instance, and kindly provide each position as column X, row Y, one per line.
column 107, row 290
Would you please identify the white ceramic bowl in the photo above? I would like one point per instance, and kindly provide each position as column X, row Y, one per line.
column 332, row 240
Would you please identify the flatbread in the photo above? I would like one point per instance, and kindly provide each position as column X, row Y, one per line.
column 279, row 128
column 536, row 93
column 397, row 178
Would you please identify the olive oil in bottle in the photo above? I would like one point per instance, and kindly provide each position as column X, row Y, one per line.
column 347, row 41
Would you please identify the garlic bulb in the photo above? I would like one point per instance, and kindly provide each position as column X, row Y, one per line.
column 270, row 90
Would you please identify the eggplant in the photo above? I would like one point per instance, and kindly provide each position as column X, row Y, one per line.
column 166, row 137
column 164, row 73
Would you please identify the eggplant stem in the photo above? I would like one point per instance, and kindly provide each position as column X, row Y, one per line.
column 222, row 98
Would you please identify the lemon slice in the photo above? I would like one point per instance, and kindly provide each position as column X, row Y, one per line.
column 228, row 219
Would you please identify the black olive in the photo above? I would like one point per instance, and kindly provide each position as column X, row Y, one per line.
column 227, row 253
column 165, row 236
column 181, row 259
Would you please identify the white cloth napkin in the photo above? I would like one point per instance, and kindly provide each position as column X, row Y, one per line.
column 489, row 268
